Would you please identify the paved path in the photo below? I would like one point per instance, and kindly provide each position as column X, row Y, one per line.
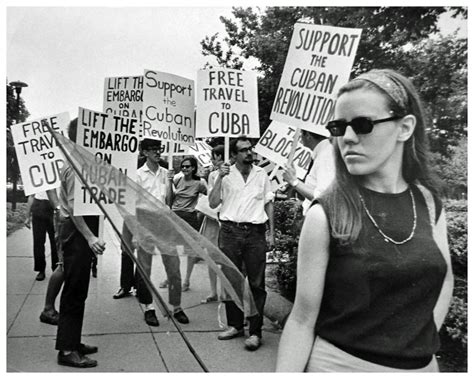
column 126, row 343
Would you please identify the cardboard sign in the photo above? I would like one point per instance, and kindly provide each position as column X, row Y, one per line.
column 168, row 108
column 318, row 63
column 201, row 150
column 123, row 96
column 113, row 140
column 275, row 145
column 227, row 103
column 39, row 157
column 276, row 181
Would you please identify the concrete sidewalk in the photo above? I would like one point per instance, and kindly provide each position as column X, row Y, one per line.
column 126, row 343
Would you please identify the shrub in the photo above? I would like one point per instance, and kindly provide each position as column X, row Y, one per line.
column 288, row 220
column 456, row 218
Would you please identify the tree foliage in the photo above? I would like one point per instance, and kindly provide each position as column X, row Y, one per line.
column 438, row 67
column 16, row 113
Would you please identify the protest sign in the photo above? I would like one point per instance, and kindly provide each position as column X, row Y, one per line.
column 318, row 63
column 275, row 145
column 227, row 103
column 168, row 108
column 202, row 152
column 123, row 96
column 113, row 140
column 277, row 182
column 39, row 157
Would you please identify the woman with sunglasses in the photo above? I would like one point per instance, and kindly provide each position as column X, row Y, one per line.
column 374, row 277
column 184, row 194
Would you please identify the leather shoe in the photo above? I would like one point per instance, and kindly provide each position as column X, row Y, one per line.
column 230, row 333
column 181, row 317
column 87, row 349
column 122, row 292
column 253, row 342
column 40, row 276
column 150, row 318
column 49, row 317
column 75, row 359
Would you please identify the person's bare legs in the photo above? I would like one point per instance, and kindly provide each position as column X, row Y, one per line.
column 189, row 270
column 54, row 287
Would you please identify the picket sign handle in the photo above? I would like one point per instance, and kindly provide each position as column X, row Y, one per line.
column 296, row 138
column 170, row 155
column 226, row 149
column 274, row 171
column 101, row 227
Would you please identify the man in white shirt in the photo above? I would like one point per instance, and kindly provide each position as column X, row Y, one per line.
column 244, row 193
column 320, row 173
column 154, row 179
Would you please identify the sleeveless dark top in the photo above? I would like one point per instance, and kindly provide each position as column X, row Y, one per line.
column 379, row 297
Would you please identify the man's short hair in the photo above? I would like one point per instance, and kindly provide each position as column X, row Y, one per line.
column 149, row 143
column 72, row 130
column 233, row 143
column 218, row 151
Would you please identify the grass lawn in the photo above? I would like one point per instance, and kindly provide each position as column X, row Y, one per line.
column 15, row 219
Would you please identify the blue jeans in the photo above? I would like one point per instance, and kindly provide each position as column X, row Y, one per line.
column 246, row 247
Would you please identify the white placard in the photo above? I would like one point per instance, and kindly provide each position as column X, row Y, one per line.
column 39, row 157
column 114, row 140
column 227, row 103
column 275, row 145
column 123, row 96
column 277, row 182
column 318, row 63
column 168, row 108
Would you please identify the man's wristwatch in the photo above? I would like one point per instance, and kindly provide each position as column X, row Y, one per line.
column 294, row 183
column 57, row 208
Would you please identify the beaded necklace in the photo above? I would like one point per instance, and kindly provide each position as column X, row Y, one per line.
column 385, row 237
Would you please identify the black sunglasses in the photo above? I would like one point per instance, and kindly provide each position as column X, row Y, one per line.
column 186, row 166
column 156, row 149
column 360, row 125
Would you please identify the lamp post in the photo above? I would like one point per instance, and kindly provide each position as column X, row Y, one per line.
column 18, row 85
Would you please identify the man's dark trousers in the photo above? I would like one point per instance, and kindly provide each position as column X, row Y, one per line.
column 77, row 268
column 245, row 245
column 42, row 224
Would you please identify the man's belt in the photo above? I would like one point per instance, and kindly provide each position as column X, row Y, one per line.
column 243, row 225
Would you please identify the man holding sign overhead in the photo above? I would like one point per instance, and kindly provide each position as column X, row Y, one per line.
column 244, row 191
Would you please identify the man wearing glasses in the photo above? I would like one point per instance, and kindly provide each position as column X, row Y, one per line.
column 245, row 193
column 154, row 179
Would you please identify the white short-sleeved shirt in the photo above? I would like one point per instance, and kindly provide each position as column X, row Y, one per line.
column 154, row 183
column 323, row 171
column 245, row 201
column 41, row 196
